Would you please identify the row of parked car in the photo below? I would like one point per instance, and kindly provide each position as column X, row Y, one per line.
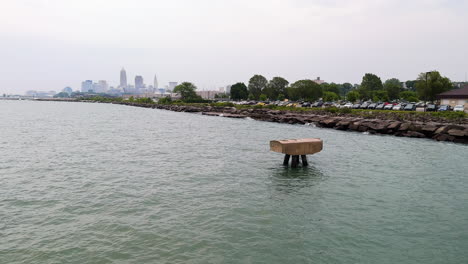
column 364, row 105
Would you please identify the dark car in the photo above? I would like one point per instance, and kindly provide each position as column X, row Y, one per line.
column 410, row 107
column 444, row 108
column 356, row 106
column 380, row 106
column 431, row 108
column 372, row 106
column 317, row 104
column 306, row 104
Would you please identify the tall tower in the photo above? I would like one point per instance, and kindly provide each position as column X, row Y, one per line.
column 156, row 85
column 123, row 78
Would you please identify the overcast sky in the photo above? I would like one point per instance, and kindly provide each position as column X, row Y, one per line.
column 50, row 44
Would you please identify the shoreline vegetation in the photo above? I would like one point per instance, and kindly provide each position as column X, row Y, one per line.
column 440, row 126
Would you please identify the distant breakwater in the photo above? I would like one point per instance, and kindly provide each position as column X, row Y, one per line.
column 386, row 124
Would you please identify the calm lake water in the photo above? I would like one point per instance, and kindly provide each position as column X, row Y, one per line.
column 101, row 183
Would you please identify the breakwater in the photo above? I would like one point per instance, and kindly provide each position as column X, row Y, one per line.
column 387, row 124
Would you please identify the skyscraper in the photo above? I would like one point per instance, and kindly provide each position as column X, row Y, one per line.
column 123, row 78
column 139, row 82
column 87, row 86
column 156, row 85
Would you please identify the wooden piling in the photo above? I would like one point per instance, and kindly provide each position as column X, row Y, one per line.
column 304, row 161
column 286, row 160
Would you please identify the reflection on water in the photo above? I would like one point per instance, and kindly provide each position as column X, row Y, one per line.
column 287, row 179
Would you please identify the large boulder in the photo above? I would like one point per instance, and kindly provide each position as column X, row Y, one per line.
column 394, row 125
column 414, row 134
column 456, row 132
column 404, row 126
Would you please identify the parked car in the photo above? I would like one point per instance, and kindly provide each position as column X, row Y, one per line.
column 348, row 105
column 306, row 104
column 317, row 104
column 356, row 106
column 443, row 108
column 364, row 105
column 372, row 106
column 410, row 107
column 388, row 107
column 431, row 108
column 398, row 107
column 459, row 108
column 380, row 106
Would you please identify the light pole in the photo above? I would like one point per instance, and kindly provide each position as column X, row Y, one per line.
column 425, row 92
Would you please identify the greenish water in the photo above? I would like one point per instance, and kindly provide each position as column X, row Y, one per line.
column 100, row 183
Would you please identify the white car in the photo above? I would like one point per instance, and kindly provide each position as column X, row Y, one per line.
column 397, row 107
column 348, row 105
column 458, row 108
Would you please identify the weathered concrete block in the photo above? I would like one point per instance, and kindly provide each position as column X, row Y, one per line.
column 294, row 147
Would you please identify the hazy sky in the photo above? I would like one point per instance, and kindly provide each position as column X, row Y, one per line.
column 50, row 44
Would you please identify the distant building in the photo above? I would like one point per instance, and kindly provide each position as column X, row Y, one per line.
column 208, row 94
column 155, row 84
column 40, row 94
column 123, row 79
column 102, row 87
column 139, row 82
column 455, row 97
column 68, row 90
column 318, row 81
column 87, row 86
column 228, row 89
column 172, row 85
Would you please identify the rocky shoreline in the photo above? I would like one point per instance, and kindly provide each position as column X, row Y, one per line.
column 440, row 131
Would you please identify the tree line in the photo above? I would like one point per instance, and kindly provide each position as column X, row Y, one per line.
column 425, row 87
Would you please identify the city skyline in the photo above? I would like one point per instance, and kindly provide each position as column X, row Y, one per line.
column 213, row 44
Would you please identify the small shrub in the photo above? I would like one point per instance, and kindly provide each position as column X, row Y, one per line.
column 345, row 110
column 226, row 104
column 331, row 110
column 165, row 100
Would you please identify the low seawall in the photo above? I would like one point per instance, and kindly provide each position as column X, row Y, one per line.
column 425, row 128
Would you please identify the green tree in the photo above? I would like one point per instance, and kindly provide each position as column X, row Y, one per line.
column 330, row 87
column 305, row 89
column 411, row 85
column 345, row 88
column 409, row 96
column 330, row 96
column 393, row 87
column 436, row 84
column 352, row 96
column 186, row 91
column 263, row 97
column 381, row 96
column 256, row 85
column 275, row 87
column 370, row 83
column 239, row 92
column 281, row 97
